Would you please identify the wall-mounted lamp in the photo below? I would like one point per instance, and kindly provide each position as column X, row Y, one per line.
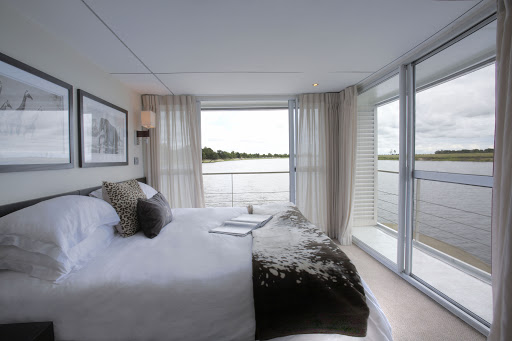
column 148, row 119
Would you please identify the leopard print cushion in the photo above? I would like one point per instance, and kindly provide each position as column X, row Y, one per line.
column 123, row 197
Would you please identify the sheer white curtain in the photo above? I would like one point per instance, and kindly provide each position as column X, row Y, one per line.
column 175, row 167
column 311, row 159
column 326, row 145
column 501, row 328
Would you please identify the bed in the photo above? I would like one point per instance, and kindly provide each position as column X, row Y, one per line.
column 185, row 284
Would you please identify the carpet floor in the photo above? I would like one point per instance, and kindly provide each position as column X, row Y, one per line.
column 413, row 315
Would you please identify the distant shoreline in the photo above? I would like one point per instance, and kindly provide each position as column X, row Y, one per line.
column 470, row 157
column 241, row 159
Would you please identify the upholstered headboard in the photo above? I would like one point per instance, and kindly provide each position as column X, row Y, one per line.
column 9, row 208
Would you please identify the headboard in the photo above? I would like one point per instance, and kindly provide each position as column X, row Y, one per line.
column 9, row 208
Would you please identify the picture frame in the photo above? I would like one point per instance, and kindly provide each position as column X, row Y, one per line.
column 103, row 132
column 36, row 121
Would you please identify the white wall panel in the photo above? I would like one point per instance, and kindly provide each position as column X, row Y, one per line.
column 26, row 42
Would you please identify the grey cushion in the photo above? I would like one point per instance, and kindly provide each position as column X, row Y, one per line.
column 153, row 214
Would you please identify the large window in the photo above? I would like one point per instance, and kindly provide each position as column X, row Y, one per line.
column 424, row 172
column 245, row 156
column 452, row 186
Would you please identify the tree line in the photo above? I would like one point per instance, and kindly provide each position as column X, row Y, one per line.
column 488, row 150
column 210, row 154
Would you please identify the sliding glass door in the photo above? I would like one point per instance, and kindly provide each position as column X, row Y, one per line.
column 453, row 136
column 424, row 172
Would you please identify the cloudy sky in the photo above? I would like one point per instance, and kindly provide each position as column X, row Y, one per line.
column 455, row 115
column 458, row 114
column 245, row 131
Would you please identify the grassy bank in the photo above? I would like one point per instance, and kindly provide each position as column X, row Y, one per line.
column 473, row 157
column 252, row 158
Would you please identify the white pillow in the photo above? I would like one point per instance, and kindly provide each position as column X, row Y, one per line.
column 44, row 267
column 148, row 190
column 54, row 226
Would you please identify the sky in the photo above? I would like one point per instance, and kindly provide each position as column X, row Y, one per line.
column 458, row 114
column 455, row 115
column 245, row 131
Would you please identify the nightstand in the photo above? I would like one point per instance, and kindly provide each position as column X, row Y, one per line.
column 33, row 331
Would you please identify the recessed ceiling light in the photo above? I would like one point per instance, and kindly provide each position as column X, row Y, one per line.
column 315, row 84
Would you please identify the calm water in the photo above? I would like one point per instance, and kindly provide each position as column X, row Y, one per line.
column 459, row 215
column 247, row 188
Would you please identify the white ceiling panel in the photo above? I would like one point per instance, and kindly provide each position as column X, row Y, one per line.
column 269, row 35
column 229, row 47
column 256, row 83
column 72, row 22
column 143, row 83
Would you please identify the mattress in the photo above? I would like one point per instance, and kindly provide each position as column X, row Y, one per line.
column 185, row 284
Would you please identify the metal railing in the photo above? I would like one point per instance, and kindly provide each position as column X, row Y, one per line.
column 417, row 209
column 383, row 223
column 232, row 193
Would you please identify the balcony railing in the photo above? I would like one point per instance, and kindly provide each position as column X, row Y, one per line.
column 436, row 217
column 244, row 188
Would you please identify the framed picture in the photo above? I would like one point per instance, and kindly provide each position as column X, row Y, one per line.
column 36, row 127
column 103, row 129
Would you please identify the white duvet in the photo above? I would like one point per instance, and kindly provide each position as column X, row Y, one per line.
column 185, row 284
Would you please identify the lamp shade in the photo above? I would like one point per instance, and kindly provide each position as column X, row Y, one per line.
column 148, row 119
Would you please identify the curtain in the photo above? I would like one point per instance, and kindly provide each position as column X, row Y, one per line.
column 175, row 167
column 326, row 144
column 501, row 328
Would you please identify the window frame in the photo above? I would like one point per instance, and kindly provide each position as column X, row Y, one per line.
column 407, row 174
column 258, row 103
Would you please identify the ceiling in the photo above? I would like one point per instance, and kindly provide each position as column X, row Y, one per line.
column 241, row 47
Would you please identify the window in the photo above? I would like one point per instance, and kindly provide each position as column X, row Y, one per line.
column 452, row 186
column 245, row 156
column 424, row 172
column 376, row 196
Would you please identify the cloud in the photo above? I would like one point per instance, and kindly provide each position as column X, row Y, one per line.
column 249, row 131
column 458, row 114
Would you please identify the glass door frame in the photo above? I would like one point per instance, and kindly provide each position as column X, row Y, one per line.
column 408, row 174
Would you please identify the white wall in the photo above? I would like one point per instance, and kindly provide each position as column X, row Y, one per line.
column 27, row 42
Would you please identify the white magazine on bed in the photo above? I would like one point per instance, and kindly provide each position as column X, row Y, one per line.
column 242, row 225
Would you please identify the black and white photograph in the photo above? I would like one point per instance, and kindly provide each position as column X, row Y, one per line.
column 103, row 132
column 34, row 119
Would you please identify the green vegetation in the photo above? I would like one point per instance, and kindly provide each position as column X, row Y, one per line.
column 475, row 155
column 465, row 151
column 209, row 155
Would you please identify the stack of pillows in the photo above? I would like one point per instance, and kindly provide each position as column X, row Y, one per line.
column 55, row 237
column 139, row 207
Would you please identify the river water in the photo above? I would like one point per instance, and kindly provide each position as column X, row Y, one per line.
column 246, row 188
column 459, row 215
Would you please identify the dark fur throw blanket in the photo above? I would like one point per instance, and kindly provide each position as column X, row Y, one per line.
column 303, row 283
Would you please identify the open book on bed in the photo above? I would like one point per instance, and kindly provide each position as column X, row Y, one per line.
column 242, row 225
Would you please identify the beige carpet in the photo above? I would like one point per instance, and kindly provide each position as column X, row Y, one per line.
column 412, row 315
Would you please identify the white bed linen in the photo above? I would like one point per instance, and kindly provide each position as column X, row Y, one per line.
column 185, row 284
